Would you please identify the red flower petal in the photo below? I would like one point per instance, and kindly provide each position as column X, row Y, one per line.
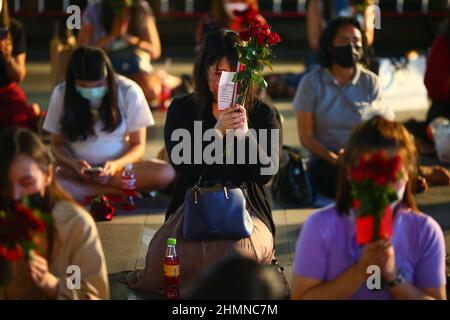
column 364, row 229
column 386, row 224
column 381, row 180
column 13, row 254
column 274, row 38
column 245, row 34
column 356, row 204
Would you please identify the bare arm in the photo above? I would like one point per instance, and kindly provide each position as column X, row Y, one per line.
column 346, row 284
column 343, row 287
column 305, row 124
column 314, row 24
column 407, row 291
column 85, row 34
column 85, row 37
column 137, row 142
column 369, row 27
column 15, row 68
column 61, row 151
column 153, row 44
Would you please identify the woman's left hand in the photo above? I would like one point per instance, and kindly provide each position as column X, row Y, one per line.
column 41, row 277
column 242, row 126
column 389, row 267
column 6, row 49
column 131, row 40
column 109, row 170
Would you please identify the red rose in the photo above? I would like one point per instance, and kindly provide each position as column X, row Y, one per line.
column 371, row 174
column 357, row 174
column 395, row 166
column 356, row 204
column 245, row 34
column 13, row 254
column 274, row 38
column 261, row 30
column 110, row 213
column 381, row 180
column 261, row 39
column 102, row 209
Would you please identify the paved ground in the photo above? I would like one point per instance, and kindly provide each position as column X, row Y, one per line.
column 126, row 238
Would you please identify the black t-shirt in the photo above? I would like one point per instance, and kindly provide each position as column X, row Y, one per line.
column 181, row 115
column 19, row 46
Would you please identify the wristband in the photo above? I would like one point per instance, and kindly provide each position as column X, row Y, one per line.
column 399, row 279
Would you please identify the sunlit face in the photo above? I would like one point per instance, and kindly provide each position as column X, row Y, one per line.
column 346, row 35
column 214, row 73
column 26, row 178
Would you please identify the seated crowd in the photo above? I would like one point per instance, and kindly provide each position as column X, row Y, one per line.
column 99, row 116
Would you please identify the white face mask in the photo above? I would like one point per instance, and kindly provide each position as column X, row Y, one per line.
column 400, row 191
column 230, row 8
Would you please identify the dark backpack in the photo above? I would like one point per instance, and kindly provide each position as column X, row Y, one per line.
column 292, row 182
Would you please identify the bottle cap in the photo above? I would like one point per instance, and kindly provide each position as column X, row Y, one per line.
column 129, row 166
column 171, row 241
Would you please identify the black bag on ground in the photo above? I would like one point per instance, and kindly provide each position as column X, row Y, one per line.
column 292, row 182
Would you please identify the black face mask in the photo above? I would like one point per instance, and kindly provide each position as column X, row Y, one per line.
column 36, row 201
column 347, row 56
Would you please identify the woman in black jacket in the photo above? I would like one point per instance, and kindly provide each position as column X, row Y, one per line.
column 188, row 119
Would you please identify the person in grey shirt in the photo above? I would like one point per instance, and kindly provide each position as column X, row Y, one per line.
column 335, row 98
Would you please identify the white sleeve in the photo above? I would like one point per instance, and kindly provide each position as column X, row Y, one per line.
column 52, row 121
column 137, row 110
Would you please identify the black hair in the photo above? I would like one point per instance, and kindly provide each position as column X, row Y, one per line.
column 78, row 123
column 215, row 46
column 327, row 38
column 235, row 277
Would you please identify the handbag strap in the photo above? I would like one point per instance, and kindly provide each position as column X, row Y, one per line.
column 202, row 176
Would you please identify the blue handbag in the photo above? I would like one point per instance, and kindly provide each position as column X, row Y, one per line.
column 125, row 61
column 216, row 212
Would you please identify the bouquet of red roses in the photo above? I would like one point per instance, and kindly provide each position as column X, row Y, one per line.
column 254, row 54
column 18, row 228
column 102, row 209
column 372, row 189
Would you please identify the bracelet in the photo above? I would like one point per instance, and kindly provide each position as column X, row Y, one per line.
column 399, row 279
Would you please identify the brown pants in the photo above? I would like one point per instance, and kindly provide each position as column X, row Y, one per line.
column 196, row 256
